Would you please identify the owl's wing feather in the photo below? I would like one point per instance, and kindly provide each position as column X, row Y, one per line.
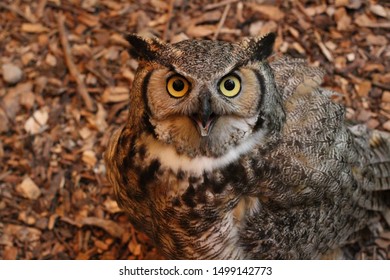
column 380, row 162
column 367, row 152
column 375, row 147
column 374, row 175
column 124, row 178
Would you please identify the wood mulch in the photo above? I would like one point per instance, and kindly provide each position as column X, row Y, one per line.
column 65, row 76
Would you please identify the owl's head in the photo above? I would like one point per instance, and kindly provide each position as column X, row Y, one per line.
column 204, row 97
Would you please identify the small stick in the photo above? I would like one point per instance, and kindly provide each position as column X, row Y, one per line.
column 325, row 51
column 303, row 11
column 220, row 4
column 221, row 21
column 81, row 88
column 381, row 85
column 18, row 12
column 99, row 75
column 41, row 8
column 170, row 13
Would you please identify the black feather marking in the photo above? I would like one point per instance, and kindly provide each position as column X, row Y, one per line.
column 189, row 196
column 149, row 174
column 145, row 119
column 193, row 179
column 144, row 90
column 142, row 48
column 263, row 46
column 142, row 152
column 127, row 161
column 260, row 79
column 148, row 126
column 181, row 174
column 236, row 174
column 176, row 202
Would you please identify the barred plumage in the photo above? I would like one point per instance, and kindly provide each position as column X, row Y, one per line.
column 241, row 158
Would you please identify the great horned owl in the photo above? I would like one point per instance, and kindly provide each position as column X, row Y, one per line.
column 227, row 156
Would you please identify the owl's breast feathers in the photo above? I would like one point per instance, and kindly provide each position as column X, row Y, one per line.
column 297, row 193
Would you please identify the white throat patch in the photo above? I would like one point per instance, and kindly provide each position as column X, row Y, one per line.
column 168, row 156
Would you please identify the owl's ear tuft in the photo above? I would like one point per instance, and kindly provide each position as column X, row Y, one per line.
column 259, row 48
column 144, row 48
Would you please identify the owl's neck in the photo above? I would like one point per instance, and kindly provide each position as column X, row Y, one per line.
column 170, row 158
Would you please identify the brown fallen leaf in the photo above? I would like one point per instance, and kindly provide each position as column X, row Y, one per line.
column 118, row 39
column 342, row 19
column 89, row 157
column 269, row 11
column 364, row 21
column 372, row 123
column 111, row 206
column 339, row 3
column 101, row 245
column 1, row 150
column 27, row 100
column 196, row 31
column 134, row 247
column 10, row 253
column 89, row 19
column 363, row 88
column 369, row 67
column 381, row 78
column 386, row 125
column 23, row 234
column 379, row 40
column 115, row 94
column 11, row 101
column 27, row 58
column 386, row 96
column 34, row 28
column 4, row 123
column 100, row 118
column 109, row 226
column 379, row 10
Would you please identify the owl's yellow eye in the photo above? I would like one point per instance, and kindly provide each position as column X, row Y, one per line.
column 230, row 86
column 177, row 86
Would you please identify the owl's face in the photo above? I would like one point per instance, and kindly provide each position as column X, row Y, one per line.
column 204, row 97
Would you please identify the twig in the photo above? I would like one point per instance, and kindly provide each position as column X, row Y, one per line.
column 323, row 48
column 70, row 64
column 99, row 75
column 325, row 51
column 221, row 21
column 9, row 118
column 381, row 85
column 170, row 13
column 220, row 4
column 111, row 26
column 41, row 8
column 64, row 243
column 3, row 176
column 18, row 12
column 302, row 9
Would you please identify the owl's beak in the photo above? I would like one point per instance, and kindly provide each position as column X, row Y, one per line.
column 205, row 118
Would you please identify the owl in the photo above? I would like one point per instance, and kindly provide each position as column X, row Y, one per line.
column 226, row 155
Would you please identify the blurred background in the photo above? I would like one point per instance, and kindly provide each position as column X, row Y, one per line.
column 65, row 76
